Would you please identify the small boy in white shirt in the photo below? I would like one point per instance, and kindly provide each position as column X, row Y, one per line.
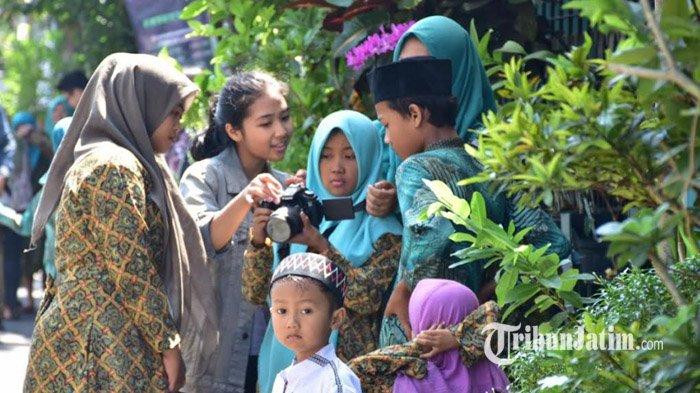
column 306, row 296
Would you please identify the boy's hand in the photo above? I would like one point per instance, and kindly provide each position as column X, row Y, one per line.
column 298, row 178
column 310, row 236
column 436, row 340
column 260, row 218
column 174, row 369
column 381, row 198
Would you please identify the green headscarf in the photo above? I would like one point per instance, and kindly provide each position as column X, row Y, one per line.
column 446, row 39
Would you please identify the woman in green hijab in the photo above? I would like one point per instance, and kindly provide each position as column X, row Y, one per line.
column 440, row 37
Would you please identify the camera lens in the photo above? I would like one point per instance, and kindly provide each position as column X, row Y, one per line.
column 277, row 227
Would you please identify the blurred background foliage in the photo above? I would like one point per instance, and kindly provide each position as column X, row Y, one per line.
column 42, row 39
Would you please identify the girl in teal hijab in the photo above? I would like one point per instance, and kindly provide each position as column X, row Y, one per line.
column 21, row 119
column 446, row 39
column 57, row 110
column 21, row 223
column 360, row 246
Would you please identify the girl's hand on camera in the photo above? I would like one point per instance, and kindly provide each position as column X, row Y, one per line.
column 260, row 218
column 310, row 236
column 264, row 187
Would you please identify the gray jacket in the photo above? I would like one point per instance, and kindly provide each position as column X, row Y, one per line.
column 207, row 187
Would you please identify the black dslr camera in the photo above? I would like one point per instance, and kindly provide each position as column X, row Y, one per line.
column 285, row 220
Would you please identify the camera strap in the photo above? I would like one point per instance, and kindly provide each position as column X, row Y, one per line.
column 283, row 250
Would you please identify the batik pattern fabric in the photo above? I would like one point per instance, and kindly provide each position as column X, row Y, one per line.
column 104, row 323
column 377, row 370
column 366, row 295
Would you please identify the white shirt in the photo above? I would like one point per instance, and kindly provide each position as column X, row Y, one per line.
column 321, row 373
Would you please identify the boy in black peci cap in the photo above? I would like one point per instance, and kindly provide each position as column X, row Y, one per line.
column 414, row 102
column 306, row 297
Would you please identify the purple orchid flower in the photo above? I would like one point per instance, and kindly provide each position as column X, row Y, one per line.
column 376, row 44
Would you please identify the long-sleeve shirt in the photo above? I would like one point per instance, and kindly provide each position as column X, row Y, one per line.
column 427, row 248
column 104, row 324
column 207, row 186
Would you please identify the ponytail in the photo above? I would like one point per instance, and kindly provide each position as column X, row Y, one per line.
column 214, row 140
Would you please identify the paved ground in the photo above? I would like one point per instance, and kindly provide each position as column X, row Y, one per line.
column 14, row 347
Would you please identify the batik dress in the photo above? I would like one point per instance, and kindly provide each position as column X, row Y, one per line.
column 365, row 297
column 105, row 322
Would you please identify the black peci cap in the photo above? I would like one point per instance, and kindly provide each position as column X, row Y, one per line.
column 412, row 77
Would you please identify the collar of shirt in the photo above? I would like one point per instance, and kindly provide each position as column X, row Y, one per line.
column 302, row 370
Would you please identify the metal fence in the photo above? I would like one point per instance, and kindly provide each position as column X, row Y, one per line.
column 569, row 27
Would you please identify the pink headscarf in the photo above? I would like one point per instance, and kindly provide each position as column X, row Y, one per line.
column 444, row 301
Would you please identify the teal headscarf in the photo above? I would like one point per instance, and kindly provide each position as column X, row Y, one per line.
column 353, row 238
column 55, row 103
column 59, row 131
column 446, row 39
column 21, row 118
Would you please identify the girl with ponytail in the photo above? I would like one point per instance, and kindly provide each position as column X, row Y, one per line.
column 249, row 127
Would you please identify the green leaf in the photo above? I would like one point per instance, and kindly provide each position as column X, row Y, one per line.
column 558, row 319
column 473, row 180
column 543, row 302
column 572, row 297
column 512, row 47
column 506, row 282
column 478, row 208
column 460, row 237
column 521, row 234
column 680, row 27
column 193, row 9
column 569, row 279
column 518, row 296
column 433, row 208
column 641, row 55
column 551, row 282
column 610, row 228
column 674, row 8
column 354, row 31
column 521, row 293
column 539, row 55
